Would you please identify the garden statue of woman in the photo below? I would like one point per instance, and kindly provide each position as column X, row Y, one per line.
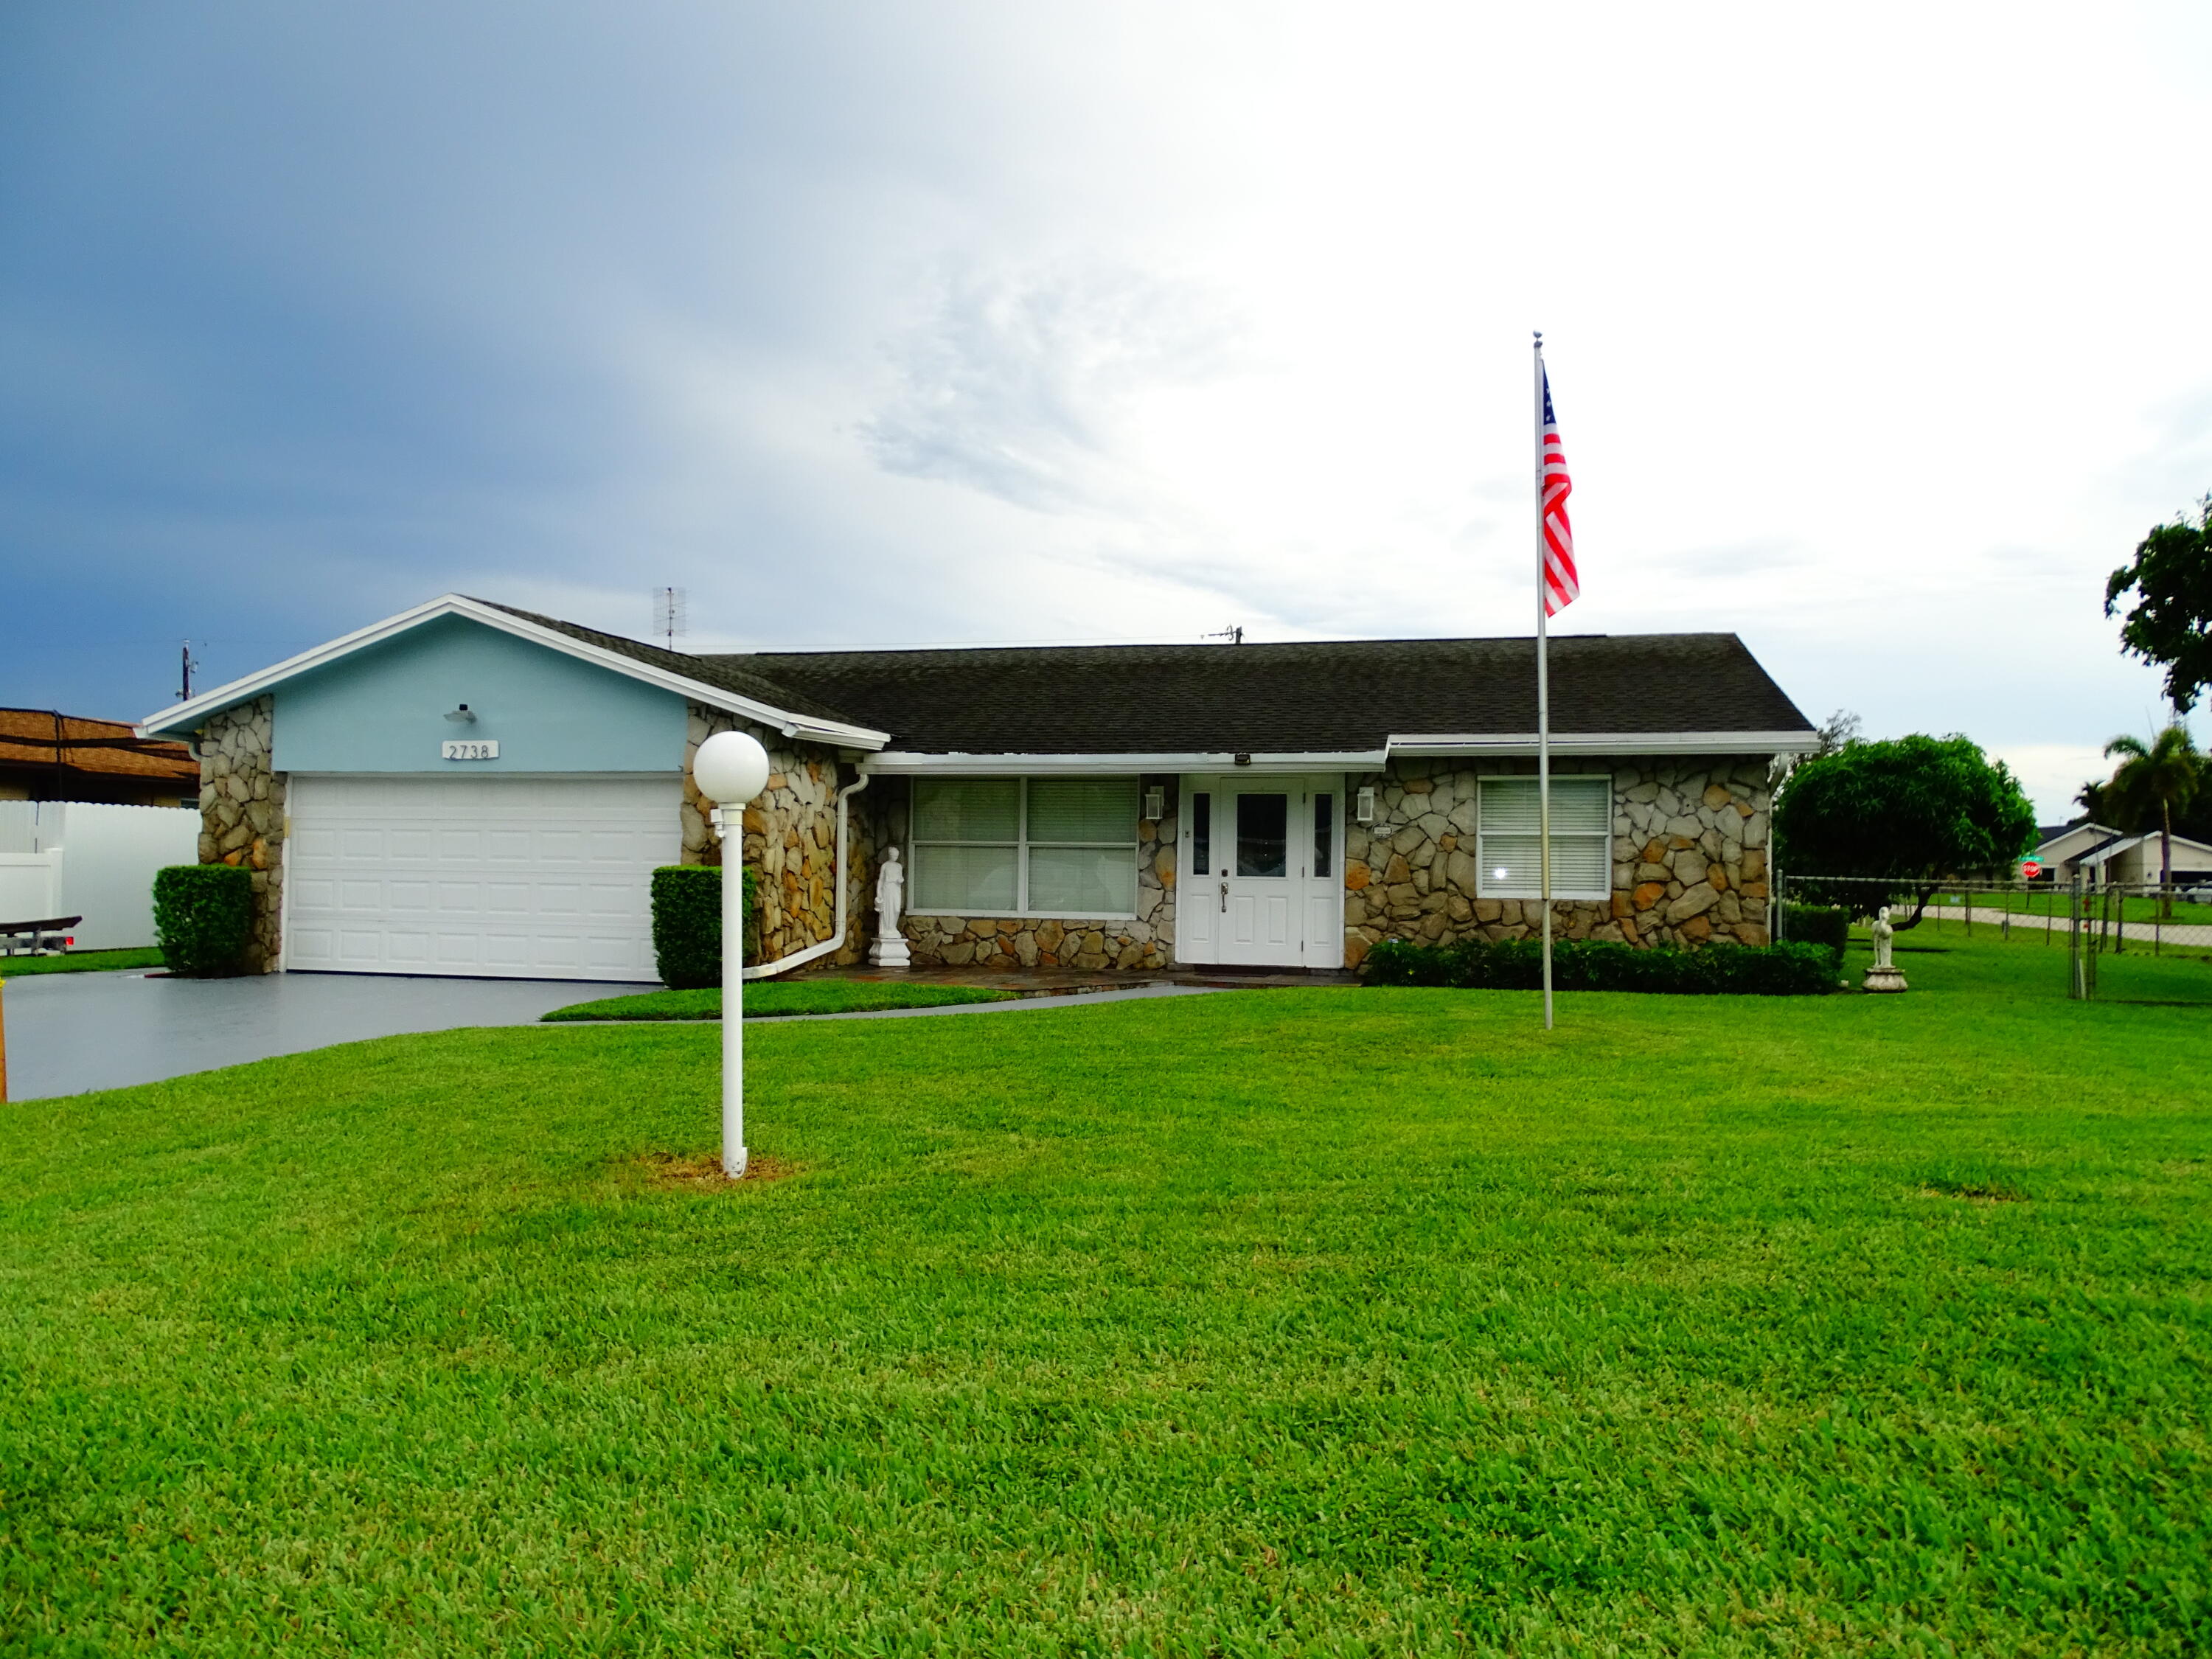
column 1883, row 976
column 890, row 949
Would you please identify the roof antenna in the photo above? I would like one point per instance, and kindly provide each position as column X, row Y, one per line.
column 671, row 614
column 1234, row 634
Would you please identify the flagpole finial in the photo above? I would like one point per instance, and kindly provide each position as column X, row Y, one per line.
column 1539, row 333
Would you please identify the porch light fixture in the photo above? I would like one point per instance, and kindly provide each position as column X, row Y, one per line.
column 1156, row 802
column 731, row 769
column 1364, row 811
column 464, row 715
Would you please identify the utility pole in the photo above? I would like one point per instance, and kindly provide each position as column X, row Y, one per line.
column 189, row 662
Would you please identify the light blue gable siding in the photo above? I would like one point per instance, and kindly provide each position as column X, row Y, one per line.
column 383, row 709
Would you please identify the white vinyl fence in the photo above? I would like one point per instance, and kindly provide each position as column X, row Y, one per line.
column 84, row 858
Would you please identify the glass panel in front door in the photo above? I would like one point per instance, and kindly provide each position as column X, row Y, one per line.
column 1263, row 834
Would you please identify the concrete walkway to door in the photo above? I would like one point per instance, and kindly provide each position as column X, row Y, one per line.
column 70, row 1032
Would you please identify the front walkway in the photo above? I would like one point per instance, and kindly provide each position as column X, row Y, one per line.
column 1065, row 981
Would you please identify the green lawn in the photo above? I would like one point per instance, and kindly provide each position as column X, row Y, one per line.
column 781, row 996
column 79, row 961
column 1276, row 1321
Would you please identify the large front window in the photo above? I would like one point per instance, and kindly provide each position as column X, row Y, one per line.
column 1510, row 843
column 1037, row 846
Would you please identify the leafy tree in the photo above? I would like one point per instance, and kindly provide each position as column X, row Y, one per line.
column 2170, row 622
column 2153, row 782
column 1903, row 816
column 1839, row 730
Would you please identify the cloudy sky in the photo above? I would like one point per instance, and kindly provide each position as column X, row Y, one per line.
column 1879, row 334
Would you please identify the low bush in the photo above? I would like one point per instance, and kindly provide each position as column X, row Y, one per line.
column 1828, row 925
column 1769, row 970
column 202, row 917
column 687, row 924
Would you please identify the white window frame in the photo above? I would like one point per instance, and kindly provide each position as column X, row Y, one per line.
column 1021, row 846
column 1484, row 887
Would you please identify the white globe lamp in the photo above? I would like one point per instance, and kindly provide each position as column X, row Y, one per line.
column 730, row 770
column 731, row 767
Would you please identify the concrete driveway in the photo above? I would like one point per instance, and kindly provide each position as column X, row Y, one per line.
column 70, row 1032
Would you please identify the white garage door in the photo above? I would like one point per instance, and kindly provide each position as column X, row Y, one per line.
column 507, row 877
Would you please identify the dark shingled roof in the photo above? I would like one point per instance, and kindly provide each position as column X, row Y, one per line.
column 1324, row 696
column 728, row 673
column 1314, row 698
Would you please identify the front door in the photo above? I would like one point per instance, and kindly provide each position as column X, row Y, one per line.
column 1260, row 885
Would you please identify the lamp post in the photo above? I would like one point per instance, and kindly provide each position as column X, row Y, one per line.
column 730, row 768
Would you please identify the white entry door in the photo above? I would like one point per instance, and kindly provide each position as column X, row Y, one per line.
column 516, row 877
column 1263, row 884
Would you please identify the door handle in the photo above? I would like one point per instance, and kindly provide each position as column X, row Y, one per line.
column 1224, row 898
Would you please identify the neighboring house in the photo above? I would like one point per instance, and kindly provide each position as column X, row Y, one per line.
column 2134, row 861
column 467, row 789
column 2059, row 846
column 2107, row 855
column 48, row 756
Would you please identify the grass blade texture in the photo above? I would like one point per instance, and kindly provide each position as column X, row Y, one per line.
column 1326, row 1321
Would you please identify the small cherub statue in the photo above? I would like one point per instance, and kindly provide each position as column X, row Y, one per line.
column 1884, row 974
column 890, row 949
column 890, row 892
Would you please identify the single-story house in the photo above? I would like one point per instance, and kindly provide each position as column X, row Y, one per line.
column 2105, row 855
column 45, row 755
column 467, row 789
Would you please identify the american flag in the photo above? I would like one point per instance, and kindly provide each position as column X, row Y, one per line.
column 1561, row 587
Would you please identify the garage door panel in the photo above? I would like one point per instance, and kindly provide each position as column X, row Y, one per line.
column 411, row 847
column 519, row 878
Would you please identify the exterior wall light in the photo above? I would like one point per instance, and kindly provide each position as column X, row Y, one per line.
column 730, row 770
column 1366, row 810
column 1156, row 802
column 462, row 716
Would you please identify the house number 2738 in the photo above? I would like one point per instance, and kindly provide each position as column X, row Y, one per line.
column 470, row 749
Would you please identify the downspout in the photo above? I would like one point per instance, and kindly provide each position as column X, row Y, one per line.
column 799, row 959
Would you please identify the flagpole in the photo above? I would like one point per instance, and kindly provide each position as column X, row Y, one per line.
column 1543, row 702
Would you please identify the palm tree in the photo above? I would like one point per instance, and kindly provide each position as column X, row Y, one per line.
column 2164, row 773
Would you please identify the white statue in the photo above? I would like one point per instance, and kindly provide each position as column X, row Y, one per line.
column 890, row 949
column 1884, row 974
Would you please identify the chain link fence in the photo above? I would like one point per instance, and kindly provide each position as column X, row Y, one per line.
column 2103, row 937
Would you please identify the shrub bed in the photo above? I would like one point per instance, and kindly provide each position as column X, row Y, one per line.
column 202, row 916
column 687, row 924
column 1770, row 970
column 1825, row 925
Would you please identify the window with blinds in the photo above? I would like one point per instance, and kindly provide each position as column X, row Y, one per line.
column 1507, row 843
column 1039, row 847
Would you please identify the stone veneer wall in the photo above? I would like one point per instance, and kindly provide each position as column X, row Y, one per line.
column 1689, row 850
column 1146, row 941
column 790, row 839
column 242, row 816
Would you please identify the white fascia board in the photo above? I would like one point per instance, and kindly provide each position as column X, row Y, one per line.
column 185, row 716
column 1477, row 743
column 894, row 762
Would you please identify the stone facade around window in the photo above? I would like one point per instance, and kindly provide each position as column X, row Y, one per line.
column 1689, row 857
column 1145, row 940
column 242, row 819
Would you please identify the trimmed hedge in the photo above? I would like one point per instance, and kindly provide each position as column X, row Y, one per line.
column 1514, row 964
column 687, row 924
column 1825, row 925
column 202, row 917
